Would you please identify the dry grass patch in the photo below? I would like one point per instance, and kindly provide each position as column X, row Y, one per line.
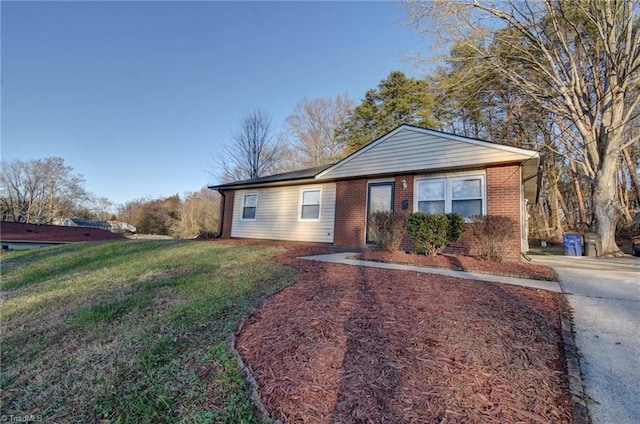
column 129, row 331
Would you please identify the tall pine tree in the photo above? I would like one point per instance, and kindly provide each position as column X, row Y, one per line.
column 397, row 100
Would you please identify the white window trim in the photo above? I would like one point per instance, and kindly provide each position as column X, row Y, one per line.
column 381, row 180
column 244, row 195
column 301, row 197
column 449, row 178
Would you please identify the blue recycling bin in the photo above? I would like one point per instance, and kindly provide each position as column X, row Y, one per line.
column 572, row 244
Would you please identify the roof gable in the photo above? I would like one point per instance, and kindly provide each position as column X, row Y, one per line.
column 406, row 149
column 413, row 149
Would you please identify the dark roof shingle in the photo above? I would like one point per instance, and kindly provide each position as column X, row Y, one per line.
column 300, row 174
column 18, row 231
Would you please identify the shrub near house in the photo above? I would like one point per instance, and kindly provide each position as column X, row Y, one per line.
column 433, row 232
column 488, row 236
column 386, row 230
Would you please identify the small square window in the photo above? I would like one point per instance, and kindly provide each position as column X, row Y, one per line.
column 431, row 196
column 467, row 208
column 249, row 206
column 466, row 196
column 310, row 200
column 431, row 206
column 432, row 189
column 466, row 188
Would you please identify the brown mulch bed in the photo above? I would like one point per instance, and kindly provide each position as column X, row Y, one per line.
column 350, row 344
column 464, row 263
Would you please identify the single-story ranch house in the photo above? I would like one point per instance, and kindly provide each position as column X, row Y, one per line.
column 409, row 169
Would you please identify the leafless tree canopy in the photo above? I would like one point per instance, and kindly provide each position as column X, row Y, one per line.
column 192, row 214
column 37, row 191
column 199, row 214
column 312, row 131
column 253, row 153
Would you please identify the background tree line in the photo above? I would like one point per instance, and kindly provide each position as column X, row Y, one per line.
column 41, row 190
column 193, row 214
column 558, row 76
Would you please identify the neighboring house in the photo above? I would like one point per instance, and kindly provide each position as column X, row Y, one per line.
column 409, row 169
column 117, row 227
column 120, row 227
column 84, row 223
column 19, row 236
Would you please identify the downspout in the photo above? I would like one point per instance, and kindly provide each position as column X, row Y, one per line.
column 222, row 203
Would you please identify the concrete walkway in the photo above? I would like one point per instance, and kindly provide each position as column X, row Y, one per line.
column 347, row 258
column 604, row 294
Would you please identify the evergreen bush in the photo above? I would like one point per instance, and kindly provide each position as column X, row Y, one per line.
column 433, row 232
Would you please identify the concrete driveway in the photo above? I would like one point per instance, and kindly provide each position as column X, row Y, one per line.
column 604, row 294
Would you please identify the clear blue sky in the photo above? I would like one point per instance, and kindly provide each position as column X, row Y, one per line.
column 137, row 96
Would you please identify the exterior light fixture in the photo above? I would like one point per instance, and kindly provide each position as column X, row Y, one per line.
column 404, row 183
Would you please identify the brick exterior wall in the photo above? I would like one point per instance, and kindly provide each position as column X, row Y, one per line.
column 503, row 198
column 461, row 247
column 228, row 214
column 351, row 206
column 400, row 195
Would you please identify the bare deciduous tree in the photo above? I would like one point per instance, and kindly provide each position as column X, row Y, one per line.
column 578, row 60
column 102, row 208
column 199, row 213
column 312, row 130
column 37, row 191
column 253, row 153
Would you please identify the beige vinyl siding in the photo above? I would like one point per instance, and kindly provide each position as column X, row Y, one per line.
column 410, row 151
column 277, row 215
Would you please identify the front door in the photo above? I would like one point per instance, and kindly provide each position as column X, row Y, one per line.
column 379, row 198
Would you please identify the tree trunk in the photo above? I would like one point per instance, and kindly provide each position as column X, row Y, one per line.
column 584, row 221
column 568, row 215
column 632, row 173
column 542, row 223
column 604, row 196
column 623, row 196
column 555, row 223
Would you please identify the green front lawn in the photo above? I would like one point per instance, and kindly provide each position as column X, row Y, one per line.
column 129, row 331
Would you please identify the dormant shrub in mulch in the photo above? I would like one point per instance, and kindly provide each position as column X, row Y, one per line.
column 489, row 235
column 386, row 229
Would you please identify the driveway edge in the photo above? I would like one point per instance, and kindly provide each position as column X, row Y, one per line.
column 576, row 385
